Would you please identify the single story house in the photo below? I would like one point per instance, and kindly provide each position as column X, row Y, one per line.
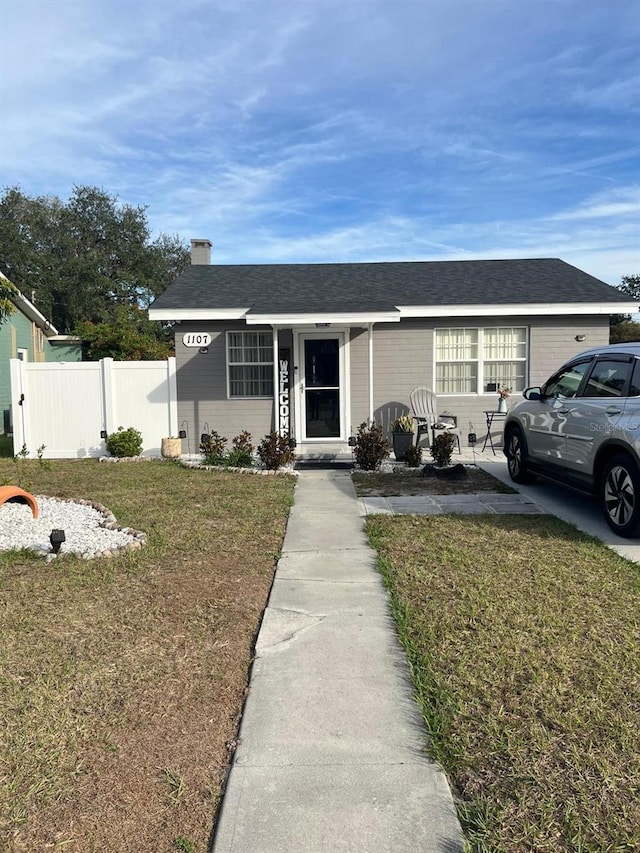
column 26, row 334
column 313, row 350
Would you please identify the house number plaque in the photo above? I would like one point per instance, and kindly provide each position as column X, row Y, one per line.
column 196, row 339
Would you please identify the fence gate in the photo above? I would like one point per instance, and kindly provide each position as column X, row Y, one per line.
column 66, row 406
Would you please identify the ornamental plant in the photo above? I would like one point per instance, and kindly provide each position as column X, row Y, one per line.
column 442, row 448
column 212, row 448
column 241, row 456
column 371, row 446
column 504, row 392
column 413, row 456
column 274, row 451
column 125, row 442
column 402, row 424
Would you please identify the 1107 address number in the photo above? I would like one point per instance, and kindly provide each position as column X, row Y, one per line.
column 196, row 339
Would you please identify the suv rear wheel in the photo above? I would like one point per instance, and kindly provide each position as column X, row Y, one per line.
column 517, row 456
column 619, row 489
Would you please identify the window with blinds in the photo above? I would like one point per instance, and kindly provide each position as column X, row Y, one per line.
column 250, row 364
column 477, row 361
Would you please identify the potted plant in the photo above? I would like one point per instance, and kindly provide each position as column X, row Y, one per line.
column 402, row 435
column 171, row 447
column 503, row 393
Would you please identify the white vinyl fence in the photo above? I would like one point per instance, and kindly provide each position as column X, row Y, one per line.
column 66, row 406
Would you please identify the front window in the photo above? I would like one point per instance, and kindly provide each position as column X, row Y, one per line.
column 250, row 364
column 477, row 361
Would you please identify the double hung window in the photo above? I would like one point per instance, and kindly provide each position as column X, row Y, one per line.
column 250, row 364
column 480, row 360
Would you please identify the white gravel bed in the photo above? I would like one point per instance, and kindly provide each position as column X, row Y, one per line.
column 90, row 531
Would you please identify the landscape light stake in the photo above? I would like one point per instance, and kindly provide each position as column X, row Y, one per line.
column 472, row 439
column 184, row 433
column 56, row 538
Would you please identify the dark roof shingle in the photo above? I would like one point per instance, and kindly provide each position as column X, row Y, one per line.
column 353, row 287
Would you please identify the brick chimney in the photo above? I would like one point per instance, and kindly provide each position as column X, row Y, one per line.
column 201, row 252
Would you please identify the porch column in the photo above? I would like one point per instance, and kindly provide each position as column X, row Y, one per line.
column 276, row 382
column 370, row 329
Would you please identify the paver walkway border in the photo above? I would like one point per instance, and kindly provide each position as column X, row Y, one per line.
column 482, row 502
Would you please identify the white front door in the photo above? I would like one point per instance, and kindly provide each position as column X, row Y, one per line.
column 321, row 386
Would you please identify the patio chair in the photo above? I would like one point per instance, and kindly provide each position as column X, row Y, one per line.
column 425, row 413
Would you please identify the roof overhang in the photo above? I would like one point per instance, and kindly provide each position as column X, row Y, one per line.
column 356, row 318
column 31, row 312
column 197, row 313
column 359, row 318
column 519, row 309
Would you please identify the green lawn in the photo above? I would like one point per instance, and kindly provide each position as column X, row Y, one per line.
column 524, row 641
column 122, row 680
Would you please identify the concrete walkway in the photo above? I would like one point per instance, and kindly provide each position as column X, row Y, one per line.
column 331, row 747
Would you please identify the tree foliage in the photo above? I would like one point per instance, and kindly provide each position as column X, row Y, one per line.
column 130, row 336
column 6, row 305
column 626, row 330
column 84, row 258
column 623, row 328
column 631, row 284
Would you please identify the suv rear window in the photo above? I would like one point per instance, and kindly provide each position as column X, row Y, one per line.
column 608, row 378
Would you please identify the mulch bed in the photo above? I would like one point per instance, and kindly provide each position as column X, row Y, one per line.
column 408, row 483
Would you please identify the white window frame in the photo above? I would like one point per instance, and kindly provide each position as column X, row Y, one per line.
column 479, row 360
column 231, row 364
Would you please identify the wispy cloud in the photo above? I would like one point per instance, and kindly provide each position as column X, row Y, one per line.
column 329, row 131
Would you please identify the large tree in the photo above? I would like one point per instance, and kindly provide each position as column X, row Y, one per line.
column 623, row 328
column 84, row 258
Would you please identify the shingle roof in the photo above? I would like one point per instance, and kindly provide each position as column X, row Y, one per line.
column 343, row 288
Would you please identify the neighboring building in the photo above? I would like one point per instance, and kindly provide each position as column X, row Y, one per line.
column 313, row 350
column 27, row 335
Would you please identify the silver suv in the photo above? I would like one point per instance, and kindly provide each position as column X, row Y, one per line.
column 582, row 428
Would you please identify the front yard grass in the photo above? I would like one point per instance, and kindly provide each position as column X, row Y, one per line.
column 122, row 680
column 524, row 643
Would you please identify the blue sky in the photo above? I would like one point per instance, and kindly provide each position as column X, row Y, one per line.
column 339, row 130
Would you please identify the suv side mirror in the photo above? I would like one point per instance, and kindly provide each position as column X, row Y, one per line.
column 534, row 393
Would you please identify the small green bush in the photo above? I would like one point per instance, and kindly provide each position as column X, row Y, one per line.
column 241, row 456
column 413, row 456
column 125, row 442
column 212, row 448
column 371, row 446
column 442, row 448
column 274, row 451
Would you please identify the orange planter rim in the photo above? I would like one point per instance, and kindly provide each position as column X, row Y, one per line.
column 9, row 492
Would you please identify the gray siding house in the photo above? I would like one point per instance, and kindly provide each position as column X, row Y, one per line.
column 26, row 334
column 313, row 350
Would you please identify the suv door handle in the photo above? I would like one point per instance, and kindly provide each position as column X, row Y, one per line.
column 612, row 411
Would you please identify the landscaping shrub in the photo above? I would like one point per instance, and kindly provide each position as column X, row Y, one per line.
column 212, row 448
column 371, row 446
column 241, row 456
column 413, row 456
column 442, row 448
column 274, row 451
column 125, row 442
